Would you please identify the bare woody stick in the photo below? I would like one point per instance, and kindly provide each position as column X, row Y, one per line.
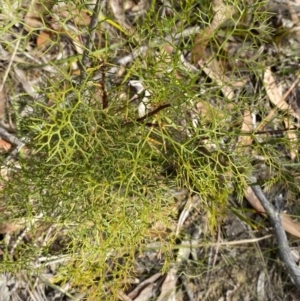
column 10, row 138
column 92, row 26
column 275, row 220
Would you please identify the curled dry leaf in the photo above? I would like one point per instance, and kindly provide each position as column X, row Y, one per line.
column 275, row 97
column 147, row 293
column 190, row 203
column 168, row 288
column 138, row 290
column 280, row 103
column 288, row 224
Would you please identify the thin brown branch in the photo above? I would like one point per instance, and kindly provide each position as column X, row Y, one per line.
column 92, row 26
column 155, row 111
column 102, row 84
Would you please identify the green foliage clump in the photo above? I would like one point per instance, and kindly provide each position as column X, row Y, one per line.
column 105, row 178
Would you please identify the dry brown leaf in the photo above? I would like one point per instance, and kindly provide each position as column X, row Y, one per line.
column 272, row 90
column 167, row 48
column 190, row 203
column 275, row 97
column 43, row 38
column 119, row 14
column 123, row 297
column 4, row 145
column 27, row 84
column 70, row 12
column 207, row 114
column 292, row 137
column 147, row 293
column 247, row 127
column 280, row 103
column 200, row 43
column 151, row 280
column 35, row 14
column 4, row 173
column 294, row 16
column 168, row 287
column 221, row 79
column 9, row 228
column 288, row 224
column 223, row 13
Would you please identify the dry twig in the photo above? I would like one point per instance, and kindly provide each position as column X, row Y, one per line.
column 284, row 250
